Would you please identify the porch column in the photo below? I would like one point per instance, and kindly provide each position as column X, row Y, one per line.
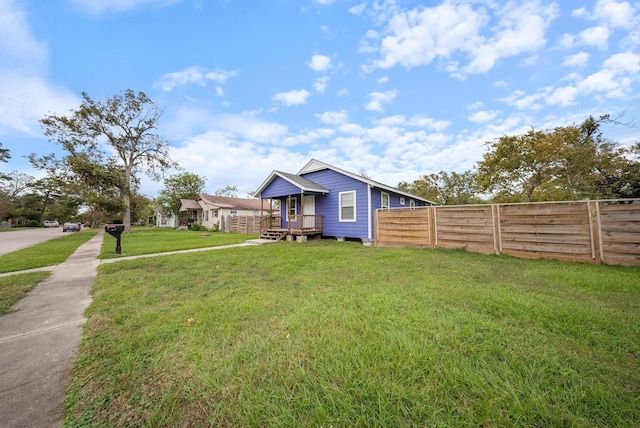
column 302, row 213
column 288, row 213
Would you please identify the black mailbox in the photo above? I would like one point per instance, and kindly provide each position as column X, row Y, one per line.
column 115, row 230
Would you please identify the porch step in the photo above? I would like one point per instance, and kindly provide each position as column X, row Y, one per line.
column 273, row 235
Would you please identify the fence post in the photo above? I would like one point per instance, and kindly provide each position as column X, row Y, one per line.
column 435, row 226
column 376, row 225
column 598, row 252
column 432, row 226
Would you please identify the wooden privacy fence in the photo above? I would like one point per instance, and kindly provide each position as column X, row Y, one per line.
column 242, row 224
column 606, row 231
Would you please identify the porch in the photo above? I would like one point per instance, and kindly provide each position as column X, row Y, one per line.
column 298, row 225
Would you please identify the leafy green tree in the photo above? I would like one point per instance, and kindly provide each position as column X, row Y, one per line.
column 11, row 187
column 445, row 188
column 124, row 125
column 185, row 185
column 565, row 163
column 141, row 208
column 4, row 157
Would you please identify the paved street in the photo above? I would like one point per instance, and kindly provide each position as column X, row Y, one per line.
column 17, row 239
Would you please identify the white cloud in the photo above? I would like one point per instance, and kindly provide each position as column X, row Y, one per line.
column 225, row 158
column 193, row 76
column 595, row 36
column 616, row 14
column 381, row 80
column 25, row 94
column 320, row 84
column 624, row 62
column 616, row 77
column 358, row 9
column 307, row 138
column 320, row 63
column 24, row 100
column 579, row 12
column 391, row 121
column 377, row 99
column 19, row 49
column 429, row 123
column 292, row 97
column 418, row 36
column 521, row 29
column 333, row 117
column 482, row 116
column 324, row 2
column 98, row 7
column 563, row 96
column 187, row 120
column 578, row 60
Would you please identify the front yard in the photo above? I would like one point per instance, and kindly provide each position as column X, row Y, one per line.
column 337, row 334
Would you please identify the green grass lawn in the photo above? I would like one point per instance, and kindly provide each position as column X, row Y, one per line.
column 149, row 240
column 47, row 253
column 16, row 287
column 337, row 334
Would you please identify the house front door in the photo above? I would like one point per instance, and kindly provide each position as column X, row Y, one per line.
column 309, row 211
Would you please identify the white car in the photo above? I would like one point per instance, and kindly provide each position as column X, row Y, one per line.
column 51, row 223
column 71, row 226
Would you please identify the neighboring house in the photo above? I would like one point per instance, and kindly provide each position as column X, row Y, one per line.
column 164, row 220
column 214, row 212
column 324, row 200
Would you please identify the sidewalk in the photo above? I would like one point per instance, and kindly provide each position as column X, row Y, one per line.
column 39, row 342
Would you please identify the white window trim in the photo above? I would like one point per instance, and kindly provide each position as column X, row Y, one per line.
column 412, row 203
column 401, row 201
column 355, row 204
column 382, row 195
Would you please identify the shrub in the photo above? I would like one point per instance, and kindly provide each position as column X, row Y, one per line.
column 198, row 227
column 32, row 223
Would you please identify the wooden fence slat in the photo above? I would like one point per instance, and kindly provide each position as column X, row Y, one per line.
column 576, row 231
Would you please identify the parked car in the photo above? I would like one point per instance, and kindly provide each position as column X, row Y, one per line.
column 71, row 226
column 51, row 223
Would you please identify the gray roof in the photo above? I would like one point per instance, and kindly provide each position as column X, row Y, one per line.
column 302, row 183
column 230, row 202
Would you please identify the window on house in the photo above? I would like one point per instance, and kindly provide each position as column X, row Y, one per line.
column 402, row 201
column 384, row 202
column 412, row 203
column 348, row 206
column 234, row 213
column 206, row 215
column 214, row 213
column 292, row 208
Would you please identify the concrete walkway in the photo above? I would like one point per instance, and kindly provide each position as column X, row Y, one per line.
column 39, row 342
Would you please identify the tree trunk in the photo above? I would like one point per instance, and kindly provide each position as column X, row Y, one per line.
column 126, row 200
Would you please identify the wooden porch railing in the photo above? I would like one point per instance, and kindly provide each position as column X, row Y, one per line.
column 298, row 223
column 270, row 221
column 306, row 222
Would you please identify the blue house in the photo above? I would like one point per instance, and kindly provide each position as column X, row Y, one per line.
column 322, row 200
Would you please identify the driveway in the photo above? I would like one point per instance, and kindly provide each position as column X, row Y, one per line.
column 16, row 239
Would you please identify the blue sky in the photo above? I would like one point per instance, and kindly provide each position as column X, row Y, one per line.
column 394, row 88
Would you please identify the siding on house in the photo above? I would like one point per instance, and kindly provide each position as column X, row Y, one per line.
column 328, row 183
column 329, row 205
column 278, row 187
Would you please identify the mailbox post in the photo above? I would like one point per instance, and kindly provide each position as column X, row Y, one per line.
column 115, row 230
